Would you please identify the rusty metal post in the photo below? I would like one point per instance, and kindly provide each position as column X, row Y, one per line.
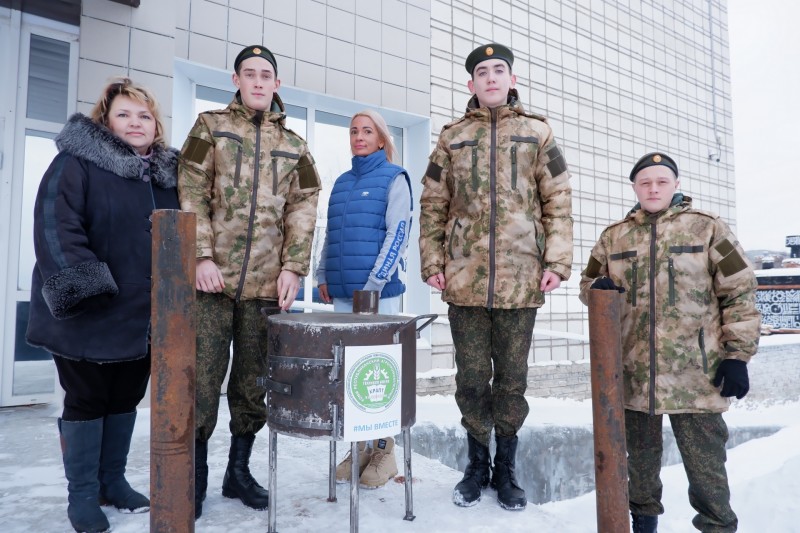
column 173, row 372
column 608, row 414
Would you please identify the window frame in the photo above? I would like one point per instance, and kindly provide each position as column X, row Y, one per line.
column 20, row 28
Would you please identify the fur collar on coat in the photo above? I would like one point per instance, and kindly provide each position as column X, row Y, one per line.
column 85, row 139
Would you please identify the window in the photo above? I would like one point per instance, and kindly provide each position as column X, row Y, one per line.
column 48, row 78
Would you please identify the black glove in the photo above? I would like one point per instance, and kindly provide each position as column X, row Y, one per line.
column 734, row 373
column 606, row 284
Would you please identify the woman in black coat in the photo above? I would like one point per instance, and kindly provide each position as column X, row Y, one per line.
column 90, row 297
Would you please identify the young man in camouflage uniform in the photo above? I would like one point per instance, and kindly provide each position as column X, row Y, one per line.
column 689, row 325
column 254, row 187
column 495, row 235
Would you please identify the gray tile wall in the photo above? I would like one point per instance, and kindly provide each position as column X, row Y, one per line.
column 373, row 51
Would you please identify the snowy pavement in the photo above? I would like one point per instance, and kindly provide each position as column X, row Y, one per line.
column 764, row 475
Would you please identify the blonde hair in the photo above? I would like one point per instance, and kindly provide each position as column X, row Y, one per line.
column 383, row 131
column 126, row 87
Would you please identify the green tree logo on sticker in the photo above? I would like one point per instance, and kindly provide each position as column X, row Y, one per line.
column 373, row 383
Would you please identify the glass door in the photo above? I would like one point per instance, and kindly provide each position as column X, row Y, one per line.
column 45, row 98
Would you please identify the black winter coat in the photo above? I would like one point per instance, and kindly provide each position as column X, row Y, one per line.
column 90, row 296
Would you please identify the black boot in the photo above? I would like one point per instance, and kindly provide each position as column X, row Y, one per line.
column 644, row 524
column 200, row 475
column 114, row 488
column 80, row 447
column 476, row 476
column 509, row 494
column 238, row 482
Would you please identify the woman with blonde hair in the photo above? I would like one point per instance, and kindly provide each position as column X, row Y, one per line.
column 90, row 296
column 369, row 217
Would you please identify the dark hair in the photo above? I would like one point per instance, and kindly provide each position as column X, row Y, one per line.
column 126, row 87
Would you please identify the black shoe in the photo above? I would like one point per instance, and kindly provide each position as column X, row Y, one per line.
column 509, row 494
column 200, row 475
column 644, row 524
column 476, row 476
column 238, row 482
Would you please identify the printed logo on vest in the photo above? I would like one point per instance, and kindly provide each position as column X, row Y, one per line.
column 373, row 384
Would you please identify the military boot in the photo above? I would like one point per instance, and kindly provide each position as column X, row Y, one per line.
column 476, row 476
column 382, row 465
column 644, row 524
column 509, row 494
column 200, row 475
column 238, row 482
column 343, row 468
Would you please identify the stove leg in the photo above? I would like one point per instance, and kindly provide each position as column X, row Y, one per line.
column 354, row 488
column 407, row 463
column 332, row 473
column 273, row 480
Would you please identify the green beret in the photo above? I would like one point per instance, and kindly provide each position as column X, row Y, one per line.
column 255, row 50
column 488, row 51
column 654, row 158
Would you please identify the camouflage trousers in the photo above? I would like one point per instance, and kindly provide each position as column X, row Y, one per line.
column 491, row 348
column 701, row 439
column 221, row 320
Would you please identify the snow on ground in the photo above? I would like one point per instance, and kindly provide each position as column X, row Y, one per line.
column 764, row 476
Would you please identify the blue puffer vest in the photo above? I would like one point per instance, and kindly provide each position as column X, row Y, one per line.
column 357, row 226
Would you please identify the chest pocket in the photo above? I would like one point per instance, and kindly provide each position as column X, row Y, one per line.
column 523, row 151
column 231, row 149
column 631, row 274
column 465, row 158
column 282, row 164
column 691, row 267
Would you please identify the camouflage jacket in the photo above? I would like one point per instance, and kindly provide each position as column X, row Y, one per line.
column 496, row 208
column 689, row 304
column 254, row 190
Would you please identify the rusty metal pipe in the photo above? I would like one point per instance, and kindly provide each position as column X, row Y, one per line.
column 173, row 347
column 608, row 414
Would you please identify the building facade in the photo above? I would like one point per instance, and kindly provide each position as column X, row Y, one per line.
column 615, row 78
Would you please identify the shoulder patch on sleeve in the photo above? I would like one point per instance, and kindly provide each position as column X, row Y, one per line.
column 724, row 247
column 557, row 164
column 593, row 268
column 732, row 262
column 196, row 150
column 434, row 171
column 307, row 172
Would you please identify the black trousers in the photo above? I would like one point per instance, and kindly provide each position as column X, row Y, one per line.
column 94, row 390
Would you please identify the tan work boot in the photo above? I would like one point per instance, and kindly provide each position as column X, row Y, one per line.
column 343, row 468
column 382, row 466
